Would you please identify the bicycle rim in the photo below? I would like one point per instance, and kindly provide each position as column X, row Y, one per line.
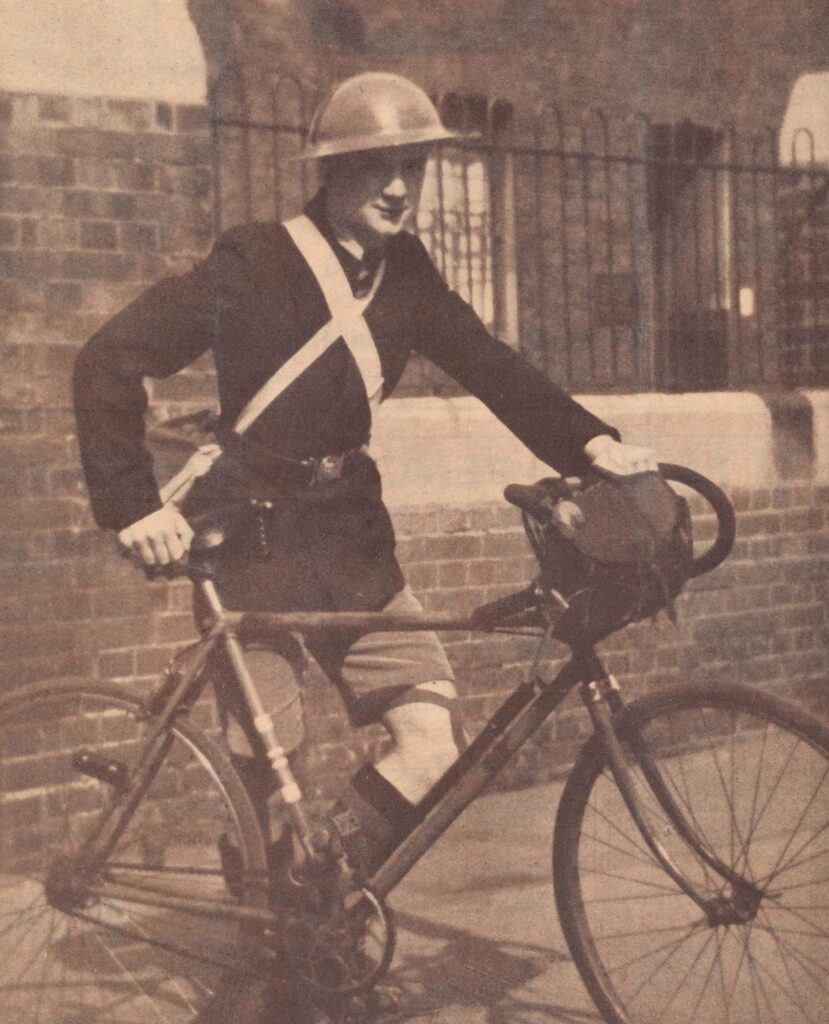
column 749, row 773
column 67, row 957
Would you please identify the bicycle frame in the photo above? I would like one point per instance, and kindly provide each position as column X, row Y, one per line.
column 513, row 723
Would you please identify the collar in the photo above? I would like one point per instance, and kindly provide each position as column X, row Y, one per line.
column 360, row 273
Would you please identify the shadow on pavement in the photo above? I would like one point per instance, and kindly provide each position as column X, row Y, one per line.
column 454, row 977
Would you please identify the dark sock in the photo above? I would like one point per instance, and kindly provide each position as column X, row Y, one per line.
column 371, row 819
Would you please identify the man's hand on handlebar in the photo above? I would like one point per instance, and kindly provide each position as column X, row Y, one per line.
column 617, row 459
column 161, row 538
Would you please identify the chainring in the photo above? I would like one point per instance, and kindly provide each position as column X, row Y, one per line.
column 338, row 939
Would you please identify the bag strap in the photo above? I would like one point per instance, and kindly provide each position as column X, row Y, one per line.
column 347, row 322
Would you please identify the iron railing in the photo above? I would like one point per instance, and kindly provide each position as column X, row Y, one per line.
column 619, row 254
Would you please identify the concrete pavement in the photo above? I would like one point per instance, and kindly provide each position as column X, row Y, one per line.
column 479, row 940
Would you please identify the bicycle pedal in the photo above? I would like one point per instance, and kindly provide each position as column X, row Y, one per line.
column 113, row 773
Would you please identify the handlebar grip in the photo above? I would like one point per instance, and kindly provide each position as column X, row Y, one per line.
column 723, row 509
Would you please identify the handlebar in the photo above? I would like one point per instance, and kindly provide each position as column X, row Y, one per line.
column 538, row 501
column 722, row 507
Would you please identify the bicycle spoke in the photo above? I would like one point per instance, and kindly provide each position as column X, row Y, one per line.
column 643, row 851
column 798, row 953
column 39, row 985
column 730, row 804
column 131, row 917
column 752, row 974
column 636, row 932
column 801, row 932
column 795, row 863
column 776, row 786
column 756, row 974
column 791, row 911
column 677, row 894
column 800, row 820
column 788, row 996
column 647, row 861
column 756, row 794
column 32, row 914
column 795, row 986
column 127, row 973
column 711, row 881
column 21, row 942
column 161, row 944
column 670, row 946
column 721, row 976
column 105, row 963
column 684, row 799
column 672, row 889
column 645, row 983
column 704, row 986
column 678, row 988
column 747, row 797
column 801, row 885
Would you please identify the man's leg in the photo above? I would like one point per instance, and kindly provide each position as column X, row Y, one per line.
column 403, row 680
column 425, row 739
column 276, row 673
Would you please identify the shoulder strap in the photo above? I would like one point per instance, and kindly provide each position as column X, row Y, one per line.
column 347, row 322
column 343, row 307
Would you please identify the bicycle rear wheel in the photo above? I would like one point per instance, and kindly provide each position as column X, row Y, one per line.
column 748, row 771
column 68, row 957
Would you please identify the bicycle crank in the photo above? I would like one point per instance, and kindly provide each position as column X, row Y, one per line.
column 340, row 946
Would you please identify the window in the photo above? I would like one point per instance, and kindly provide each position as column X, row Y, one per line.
column 460, row 205
column 689, row 198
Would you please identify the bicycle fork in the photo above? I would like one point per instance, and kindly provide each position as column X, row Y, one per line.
column 602, row 699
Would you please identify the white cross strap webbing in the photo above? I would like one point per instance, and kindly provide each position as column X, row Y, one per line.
column 343, row 307
column 347, row 322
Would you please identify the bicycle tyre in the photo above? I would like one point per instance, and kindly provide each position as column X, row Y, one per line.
column 749, row 771
column 106, row 961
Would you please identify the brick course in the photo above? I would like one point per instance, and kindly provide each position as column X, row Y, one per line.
column 87, row 184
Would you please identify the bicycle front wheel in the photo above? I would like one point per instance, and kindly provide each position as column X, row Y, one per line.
column 69, row 955
column 747, row 772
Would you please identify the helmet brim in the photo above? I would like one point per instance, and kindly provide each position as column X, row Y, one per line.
column 365, row 143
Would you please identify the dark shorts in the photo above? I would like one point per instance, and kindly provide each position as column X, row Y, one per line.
column 369, row 673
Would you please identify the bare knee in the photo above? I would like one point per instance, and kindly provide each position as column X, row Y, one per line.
column 424, row 735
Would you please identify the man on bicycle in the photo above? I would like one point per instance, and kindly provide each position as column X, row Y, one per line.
column 318, row 536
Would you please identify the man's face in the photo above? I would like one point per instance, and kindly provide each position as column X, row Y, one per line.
column 371, row 195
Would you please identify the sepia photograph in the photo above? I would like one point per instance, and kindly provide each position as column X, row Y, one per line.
column 414, row 512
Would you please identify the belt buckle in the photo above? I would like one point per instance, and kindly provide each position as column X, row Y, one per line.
column 329, row 467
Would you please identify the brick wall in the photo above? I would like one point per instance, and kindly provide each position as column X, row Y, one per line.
column 759, row 619
column 97, row 199
column 717, row 62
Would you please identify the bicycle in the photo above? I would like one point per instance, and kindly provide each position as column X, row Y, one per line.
column 698, row 809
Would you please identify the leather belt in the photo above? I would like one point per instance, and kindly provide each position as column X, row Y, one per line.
column 280, row 469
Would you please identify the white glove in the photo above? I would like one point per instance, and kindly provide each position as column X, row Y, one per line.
column 161, row 538
column 618, row 459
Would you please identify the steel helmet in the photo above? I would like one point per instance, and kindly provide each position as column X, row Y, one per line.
column 373, row 110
